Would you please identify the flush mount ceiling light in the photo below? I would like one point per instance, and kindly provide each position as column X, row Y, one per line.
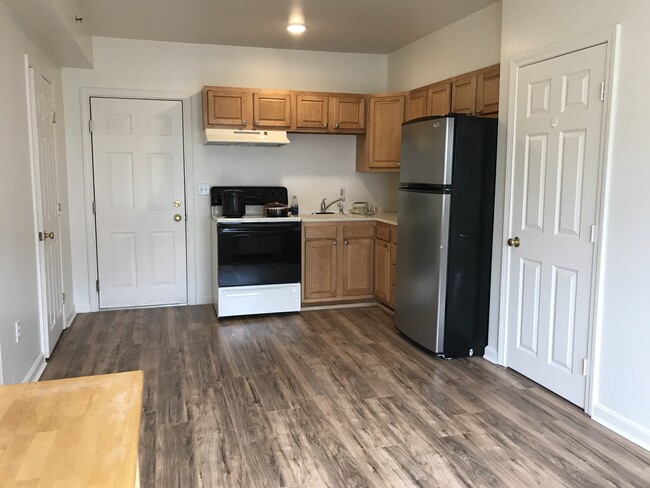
column 296, row 28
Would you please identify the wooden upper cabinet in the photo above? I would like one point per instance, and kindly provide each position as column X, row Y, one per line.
column 223, row 107
column 487, row 92
column 312, row 111
column 463, row 95
column 416, row 105
column 439, row 98
column 384, row 132
column 272, row 109
column 347, row 113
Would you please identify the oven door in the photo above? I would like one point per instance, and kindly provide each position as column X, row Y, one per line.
column 264, row 253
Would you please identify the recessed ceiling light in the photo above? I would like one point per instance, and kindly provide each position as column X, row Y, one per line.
column 296, row 28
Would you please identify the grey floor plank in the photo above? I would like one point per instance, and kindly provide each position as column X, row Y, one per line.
column 334, row 398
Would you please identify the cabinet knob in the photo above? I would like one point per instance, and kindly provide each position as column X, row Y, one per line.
column 479, row 112
column 244, row 123
column 325, row 125
column 257, row 122
column 346, row 243
column 337, row 125
column 334, row 242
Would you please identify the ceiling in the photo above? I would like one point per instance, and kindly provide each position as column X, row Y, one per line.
column 360, row 26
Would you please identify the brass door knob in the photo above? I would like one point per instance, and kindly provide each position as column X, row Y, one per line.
column 514, row 242
column 178, row 218
column 48, row 235
column 177, row 203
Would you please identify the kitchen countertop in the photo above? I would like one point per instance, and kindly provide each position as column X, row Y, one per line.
column 385, row 217
column 72, row 432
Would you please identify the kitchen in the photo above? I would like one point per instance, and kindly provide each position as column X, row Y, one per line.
column 316, row 166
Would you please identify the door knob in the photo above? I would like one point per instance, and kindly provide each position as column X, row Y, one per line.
column 177, row 203
column 48, row 235
column 178, row 218
column 514, row 242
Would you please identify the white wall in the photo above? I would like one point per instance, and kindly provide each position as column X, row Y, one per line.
column 18, row 279
column 312, row 166
column 622, row 396
column 466, row 45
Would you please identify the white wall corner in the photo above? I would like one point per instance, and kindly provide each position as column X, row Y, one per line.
column 72, row 313
column 491, row 355
column 623, row 426
column 204, row 299
column 36, row 370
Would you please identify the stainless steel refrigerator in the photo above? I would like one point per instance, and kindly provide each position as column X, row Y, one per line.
column 445, row 218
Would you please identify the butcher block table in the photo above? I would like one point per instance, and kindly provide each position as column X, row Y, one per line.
column 78, row 432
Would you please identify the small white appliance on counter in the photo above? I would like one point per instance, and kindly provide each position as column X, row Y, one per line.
column 255, row 258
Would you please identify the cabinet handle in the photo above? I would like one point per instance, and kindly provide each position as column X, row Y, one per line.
column 336, row 126
column 244, row 123
column 334, row 242
column 325, row 125
column 257, row 122
column 479, row 112
column 346, row 243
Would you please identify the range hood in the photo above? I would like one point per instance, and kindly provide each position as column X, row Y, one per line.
column 229, row 137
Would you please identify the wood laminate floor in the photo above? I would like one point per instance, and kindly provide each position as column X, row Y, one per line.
column 335, row 398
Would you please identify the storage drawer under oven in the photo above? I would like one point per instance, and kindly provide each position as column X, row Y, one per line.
column 258, row 253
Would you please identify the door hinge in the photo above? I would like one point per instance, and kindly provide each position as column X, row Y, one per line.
column 592, row 237
column 58, row 206
column 53, row 117
column 63, row 297
column 90, row 126
column 97, row 285
column 94, row 208
column 585, row 366
column 602, row 91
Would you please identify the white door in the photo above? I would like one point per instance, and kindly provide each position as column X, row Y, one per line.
column 139, row 202
column 557, row 130
column 47, row 212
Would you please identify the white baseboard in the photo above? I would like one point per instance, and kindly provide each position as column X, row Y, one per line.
column 71, row 316
column 629, row 429
column 36, row 370
column 307, row 308
column 82, row 307
column 491, row 355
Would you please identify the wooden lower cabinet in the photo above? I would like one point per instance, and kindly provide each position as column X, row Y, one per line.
column 385, row 263
column 338, row 262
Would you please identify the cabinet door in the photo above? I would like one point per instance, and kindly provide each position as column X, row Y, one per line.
column 382, row 267
column 385, row 131
column 228, row 107
column 416, row 105
column 311, row 111
column 272, row 109
column 320, row 269
column 487, row 92
column 347, row 114
column 439, row 97
column 463, row 95
column 358, row 267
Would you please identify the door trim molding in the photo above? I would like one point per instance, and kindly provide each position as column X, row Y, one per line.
column 87, row 162
column 610, row 37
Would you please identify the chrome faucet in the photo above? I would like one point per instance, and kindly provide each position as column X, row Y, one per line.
column 324, row 207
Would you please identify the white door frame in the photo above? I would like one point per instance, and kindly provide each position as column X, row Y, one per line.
column 610, row 38
column 86, row 150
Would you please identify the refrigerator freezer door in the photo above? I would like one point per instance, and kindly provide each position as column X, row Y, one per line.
column 422, row 267
column 426, row 151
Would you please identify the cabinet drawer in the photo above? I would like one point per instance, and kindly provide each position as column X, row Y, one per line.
column 358, row 230
column 319, row 231
column 382, row 232
column 393, row 234
column 393, row 254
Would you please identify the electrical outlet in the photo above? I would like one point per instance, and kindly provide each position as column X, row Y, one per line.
column 17, row 328
column 203, row 188
column 342, row 192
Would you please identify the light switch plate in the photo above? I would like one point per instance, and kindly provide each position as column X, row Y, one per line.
column 203, row 188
